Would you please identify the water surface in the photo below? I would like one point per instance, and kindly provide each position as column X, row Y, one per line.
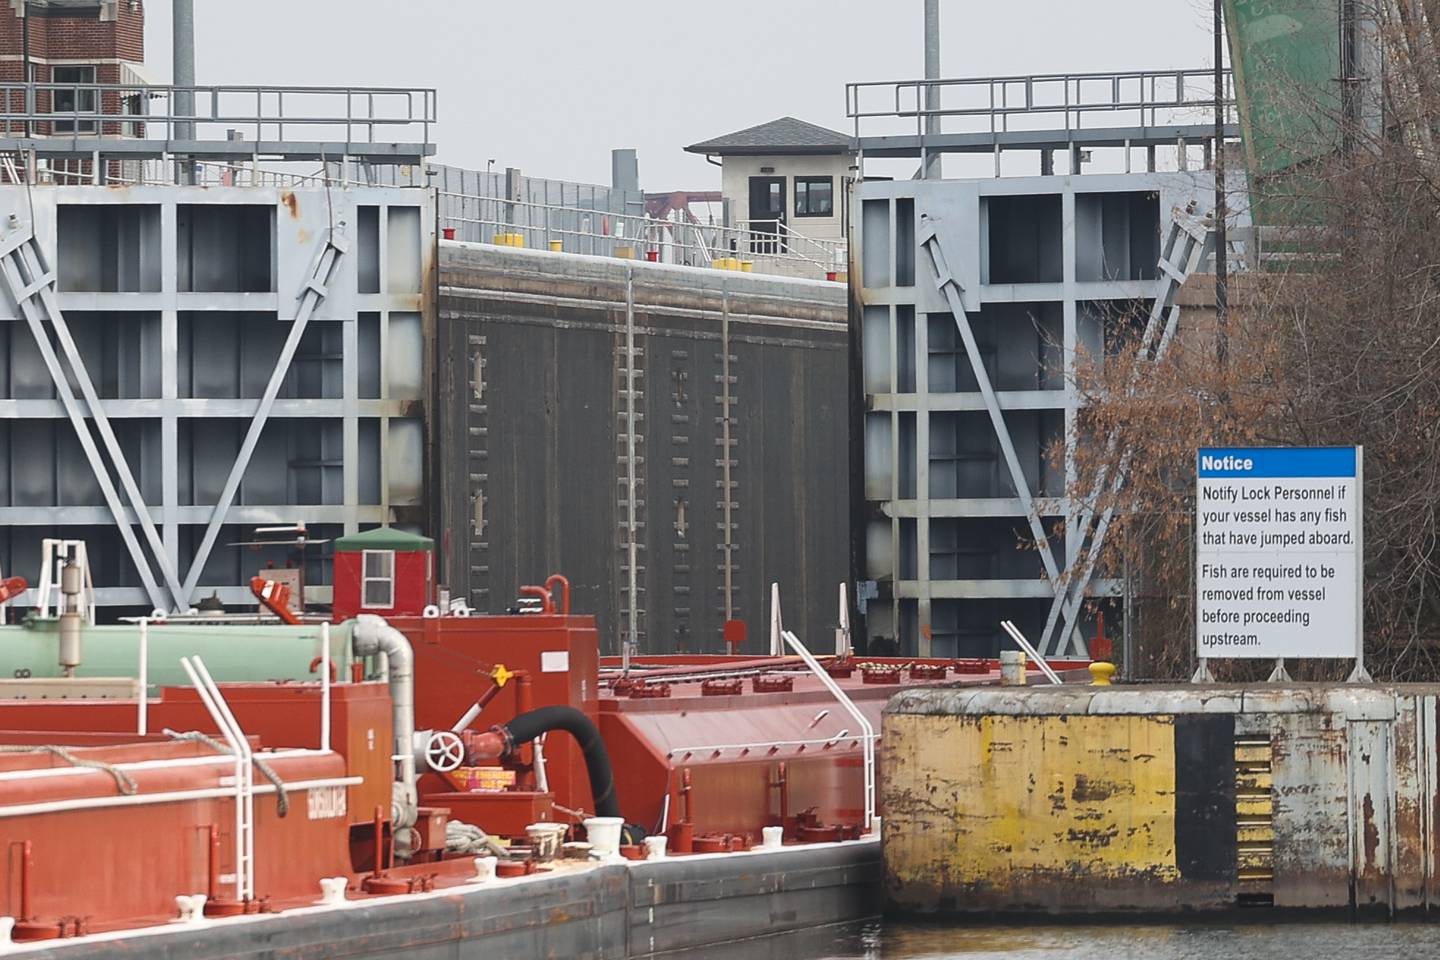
column 875, row 940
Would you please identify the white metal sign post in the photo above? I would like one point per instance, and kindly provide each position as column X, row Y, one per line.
column 1279, row 555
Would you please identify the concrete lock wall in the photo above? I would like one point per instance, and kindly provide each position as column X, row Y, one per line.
column 534, row 462
column 1173, row 799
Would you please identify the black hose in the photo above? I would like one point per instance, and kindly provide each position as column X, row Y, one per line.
column 528, row 726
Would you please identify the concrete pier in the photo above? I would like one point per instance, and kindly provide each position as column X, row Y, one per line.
column 1180, row 799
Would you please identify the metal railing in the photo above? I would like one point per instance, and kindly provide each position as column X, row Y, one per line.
column 1151, row 98
column 1275, row 247
column 604, row 233
column 82, row 112
column 867, row 730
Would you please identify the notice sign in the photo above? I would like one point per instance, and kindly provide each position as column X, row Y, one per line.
column 1278, row 552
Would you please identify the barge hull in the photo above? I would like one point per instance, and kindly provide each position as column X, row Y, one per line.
column 643, row 909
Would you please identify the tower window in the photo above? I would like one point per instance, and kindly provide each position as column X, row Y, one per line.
column 75, row 100
column 377, row 582
column 814, row 196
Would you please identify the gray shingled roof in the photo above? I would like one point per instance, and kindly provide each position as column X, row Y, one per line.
column 786, row 135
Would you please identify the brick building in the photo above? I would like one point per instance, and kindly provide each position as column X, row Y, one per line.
column 71, row 41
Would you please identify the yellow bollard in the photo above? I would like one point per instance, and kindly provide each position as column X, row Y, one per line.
column 1100, row 673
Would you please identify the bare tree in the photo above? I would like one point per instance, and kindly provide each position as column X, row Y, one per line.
column 1334, row 340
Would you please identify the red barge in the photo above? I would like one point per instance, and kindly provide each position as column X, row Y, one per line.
column 425, row 750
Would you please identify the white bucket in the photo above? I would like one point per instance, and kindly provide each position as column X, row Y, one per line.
column 875, row 826
column 545, row 839
column 771, row 838
column 484, row 869
column 655, row 848
column 1012, row 668
column 604, row 835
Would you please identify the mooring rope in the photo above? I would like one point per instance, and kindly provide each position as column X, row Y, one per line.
column 123, row 781
column 282, row 798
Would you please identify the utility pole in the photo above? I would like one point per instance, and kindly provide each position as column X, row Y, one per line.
column 25, row 65
column 930, row 160
column 1222, row 279
column 182, row 100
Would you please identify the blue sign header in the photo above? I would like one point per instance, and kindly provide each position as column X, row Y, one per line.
column 1275, row 462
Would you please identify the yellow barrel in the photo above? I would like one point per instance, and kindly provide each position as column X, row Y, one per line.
column 747, row 266
column 557, row 246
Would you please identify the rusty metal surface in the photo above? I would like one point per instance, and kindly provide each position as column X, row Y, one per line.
column 1332, row 799
column 532, row 467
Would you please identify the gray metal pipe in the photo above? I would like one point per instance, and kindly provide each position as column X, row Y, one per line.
column 373, row 635
column 932, row 93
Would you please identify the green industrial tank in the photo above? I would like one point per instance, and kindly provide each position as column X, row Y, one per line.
column 231, row 652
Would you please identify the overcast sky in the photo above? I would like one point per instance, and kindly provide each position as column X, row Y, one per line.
column 551, row 86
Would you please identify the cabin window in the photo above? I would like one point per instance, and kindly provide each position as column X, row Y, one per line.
column 814, row 196
column 377, row 582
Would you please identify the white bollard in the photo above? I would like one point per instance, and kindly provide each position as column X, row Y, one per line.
column 484, row 869
column 772, row 838
column 1012, row 668
column 191, row 907
column 332, row 889
column 655, row 848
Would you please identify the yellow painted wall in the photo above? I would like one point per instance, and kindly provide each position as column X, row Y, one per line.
column 1001, row 801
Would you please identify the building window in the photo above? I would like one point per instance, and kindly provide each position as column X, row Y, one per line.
column 377, row 581
column 74, row 101
column 814, row 196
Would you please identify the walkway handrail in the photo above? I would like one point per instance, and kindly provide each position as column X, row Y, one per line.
column 1153, row 94
column 1031, row 652
column 354, row 115
column 696, row 243
column 219, row 711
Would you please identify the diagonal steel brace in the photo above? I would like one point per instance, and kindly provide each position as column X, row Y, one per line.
column 43, row 283
column 312, row 292
column 946, row 283
column 1185, row 247
column 24, row 271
